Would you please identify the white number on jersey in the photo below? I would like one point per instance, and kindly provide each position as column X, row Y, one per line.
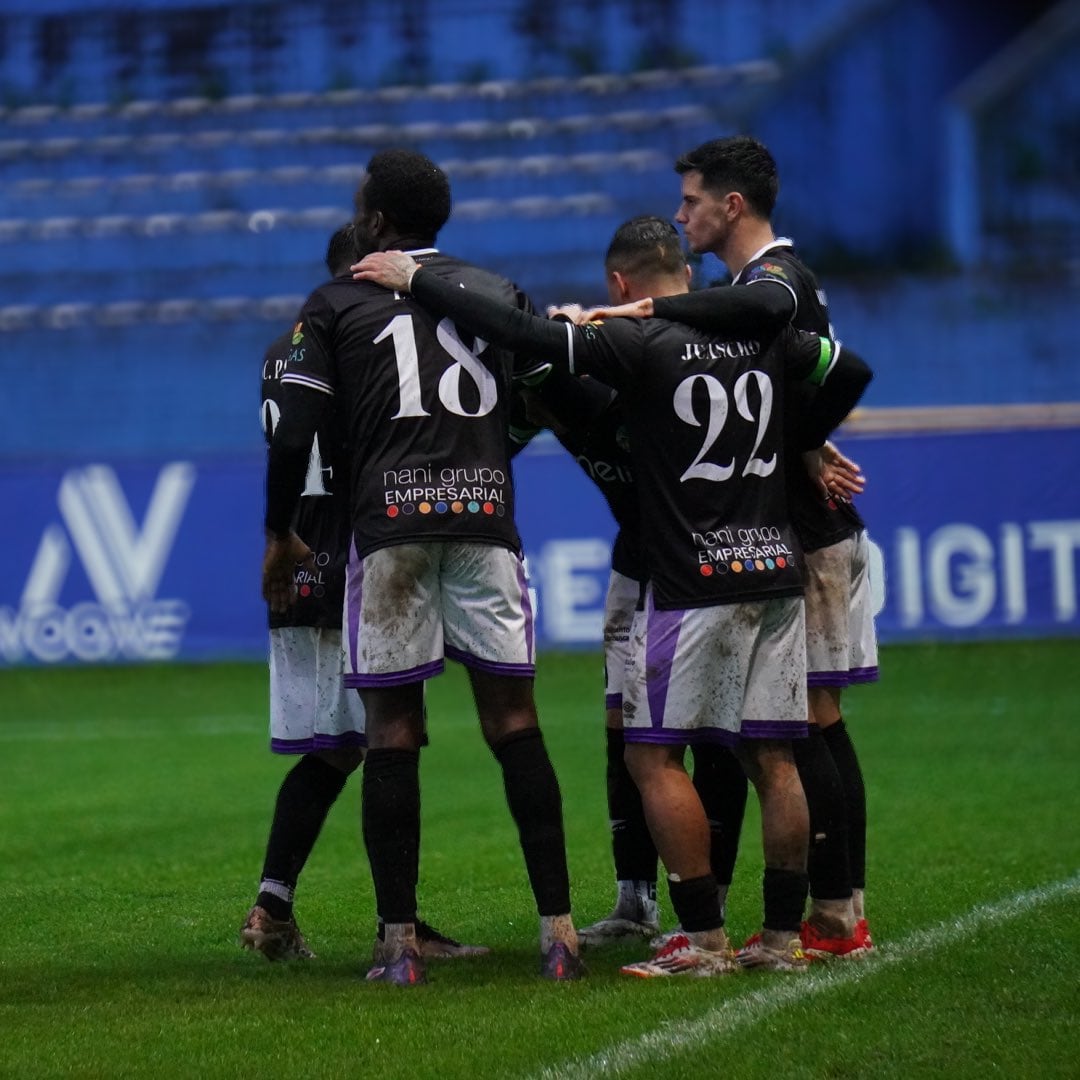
column 400, row 330
column 683, row 400
column 314, row 483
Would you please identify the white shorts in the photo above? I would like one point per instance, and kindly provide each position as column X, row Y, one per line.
column 409, row 606
column 716, row 674
column 310, row 707
column 841, row 643
column 622, row 598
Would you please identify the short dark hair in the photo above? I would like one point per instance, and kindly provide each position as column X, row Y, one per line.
column 736, row 163
column 410, row 191
column 341, row 251
column 645, row 245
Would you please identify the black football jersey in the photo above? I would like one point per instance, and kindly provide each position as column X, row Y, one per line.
column 708, row 449
column 587, row 418
column 424, row 408
column 819, row 522
column 322, row 517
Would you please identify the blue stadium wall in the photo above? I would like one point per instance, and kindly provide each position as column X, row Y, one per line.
column 169, row 174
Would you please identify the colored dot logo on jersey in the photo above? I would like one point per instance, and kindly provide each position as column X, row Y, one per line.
column 474, row 508
column 408, row 508
column 298, row 333
column 770, row 564
column 781, row 562
column 457, row 507
column 440, row 508
column 759, row 564
column 424, row 508
column 500, row 510
column 392, row 511
column 721, row 568
column 319, row 592
column 736, row 567
column 748, row 565
column 706, row 571
column 305, row 590
column 489, row 508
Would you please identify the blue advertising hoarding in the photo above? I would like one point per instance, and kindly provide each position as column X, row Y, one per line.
column 976, row 535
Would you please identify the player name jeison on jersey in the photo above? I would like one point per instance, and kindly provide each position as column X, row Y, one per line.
column 719, row 350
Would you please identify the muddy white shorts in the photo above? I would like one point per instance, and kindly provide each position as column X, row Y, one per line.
column 841, row 643
column 716, row 674
column 310, row 706
column 409, row 606
column 622, row 598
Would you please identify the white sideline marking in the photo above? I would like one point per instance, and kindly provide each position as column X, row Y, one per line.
column 656, row 1046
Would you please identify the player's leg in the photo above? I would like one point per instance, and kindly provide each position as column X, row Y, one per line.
column 635, row 913
column 308, row 710
column 488, row 626
column 671, row 697
column 841, row 650
column 773, row 712
column 391, row 815
column 785, row 826
column 721, row 785
column 393, row 642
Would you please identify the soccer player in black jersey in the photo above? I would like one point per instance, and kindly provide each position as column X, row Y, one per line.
column 718, row 652
column 434, row 566
column 729, row 189
column 644, row 258
column 312, row 713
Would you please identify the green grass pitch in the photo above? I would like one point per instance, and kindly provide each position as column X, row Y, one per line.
column 134, row 804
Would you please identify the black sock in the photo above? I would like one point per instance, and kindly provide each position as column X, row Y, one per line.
column 721, row 785
column 631, row 844
column 391, row 822
column 827, row 859
column 697, row 903
column 532, row 793
column 784, row 893
column 847, row 764
column 304, row 799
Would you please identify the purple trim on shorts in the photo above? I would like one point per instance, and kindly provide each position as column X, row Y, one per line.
column 492, row 667
column 613, row 701
column 395, row 678
column 347, row 740
column 820, row 680
column 774, row 729
column 671, row 737
column 864, row 674
column 662, row 631
column 353, row 595
column 526, row 608
column 839, row 679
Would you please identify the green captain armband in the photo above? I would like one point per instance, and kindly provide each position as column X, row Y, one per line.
column 828, row 351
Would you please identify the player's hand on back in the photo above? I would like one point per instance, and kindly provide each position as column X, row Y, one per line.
column 280, row 560
column 391, row 269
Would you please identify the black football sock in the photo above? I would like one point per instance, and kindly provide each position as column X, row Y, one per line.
column 842, row 749
column 532, row 793
column 304, row 799
column 827, row 859
column 696, row 903
column 632, row 846
column 784, row 894
column 391, row 824
column 721, row 785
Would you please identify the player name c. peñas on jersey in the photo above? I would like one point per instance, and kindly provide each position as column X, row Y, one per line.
column 322, row 516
